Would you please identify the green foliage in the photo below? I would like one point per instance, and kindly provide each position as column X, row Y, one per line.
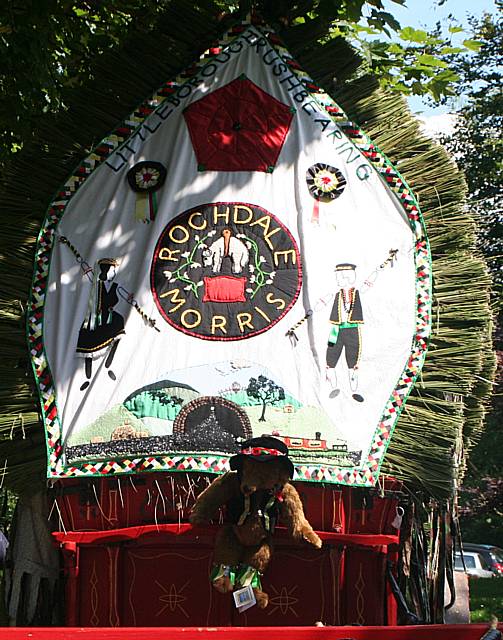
column 481, row 496
column 481, row 517
column 486, row 599
column 412, row 61
column 47, row 47
column 478, row 148
column 476, row 143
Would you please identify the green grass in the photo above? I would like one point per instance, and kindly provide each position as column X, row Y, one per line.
column 486, row 599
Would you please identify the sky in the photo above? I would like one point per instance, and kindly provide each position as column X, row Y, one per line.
column 425, row 14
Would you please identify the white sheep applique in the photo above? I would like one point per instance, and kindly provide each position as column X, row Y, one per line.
column 227, row 245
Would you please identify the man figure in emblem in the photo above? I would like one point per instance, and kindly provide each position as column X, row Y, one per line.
column 346, row 319
column 102, row 326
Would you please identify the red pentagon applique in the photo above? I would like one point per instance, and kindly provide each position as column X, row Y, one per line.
column 239, row 127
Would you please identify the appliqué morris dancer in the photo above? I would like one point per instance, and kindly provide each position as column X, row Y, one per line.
column 346, row 319
column 102, row 325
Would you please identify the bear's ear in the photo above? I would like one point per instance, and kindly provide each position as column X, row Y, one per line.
column 236, row 463
column 287, row 468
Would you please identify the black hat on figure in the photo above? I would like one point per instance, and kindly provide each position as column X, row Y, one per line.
column 262, row 449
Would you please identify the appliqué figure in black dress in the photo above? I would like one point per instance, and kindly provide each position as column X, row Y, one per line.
column 102, row 327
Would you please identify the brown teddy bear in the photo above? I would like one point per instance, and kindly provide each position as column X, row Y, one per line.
column 256, row 494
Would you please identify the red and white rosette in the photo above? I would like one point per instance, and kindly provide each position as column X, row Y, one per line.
column 145, row 178
column 325, row 183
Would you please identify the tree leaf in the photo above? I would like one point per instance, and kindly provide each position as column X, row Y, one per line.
column 472, row 45
column 396, row 48
column 413, row 35
column 386, row 18
column 431, row 61
column 447, row 50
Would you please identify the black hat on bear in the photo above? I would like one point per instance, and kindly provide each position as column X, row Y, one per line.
column 262, row 449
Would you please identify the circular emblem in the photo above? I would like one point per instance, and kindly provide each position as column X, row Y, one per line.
column 324, row 182
column 225, row 271
column 146, row 176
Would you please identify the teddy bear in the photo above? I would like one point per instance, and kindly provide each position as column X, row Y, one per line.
column 256, row 494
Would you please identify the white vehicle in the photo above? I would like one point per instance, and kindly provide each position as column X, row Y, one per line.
column 475, row 565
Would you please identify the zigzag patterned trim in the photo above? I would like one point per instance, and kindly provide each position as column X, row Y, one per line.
column 367, row 474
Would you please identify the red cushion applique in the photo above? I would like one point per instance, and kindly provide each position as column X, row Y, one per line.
column 224, row 289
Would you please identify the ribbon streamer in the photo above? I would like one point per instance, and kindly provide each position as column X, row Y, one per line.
column 146, row 207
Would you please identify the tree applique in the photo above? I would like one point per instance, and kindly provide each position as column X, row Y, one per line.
column 164, row 399
column 265, row 391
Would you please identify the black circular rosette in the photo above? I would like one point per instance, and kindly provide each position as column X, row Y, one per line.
column 146, row 176
column 325, row 183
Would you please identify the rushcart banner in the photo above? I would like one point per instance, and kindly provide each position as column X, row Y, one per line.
column 235, row 259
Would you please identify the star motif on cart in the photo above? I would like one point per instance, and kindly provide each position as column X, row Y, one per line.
column 172, row 598
column 284, row 600
column 238, row 127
